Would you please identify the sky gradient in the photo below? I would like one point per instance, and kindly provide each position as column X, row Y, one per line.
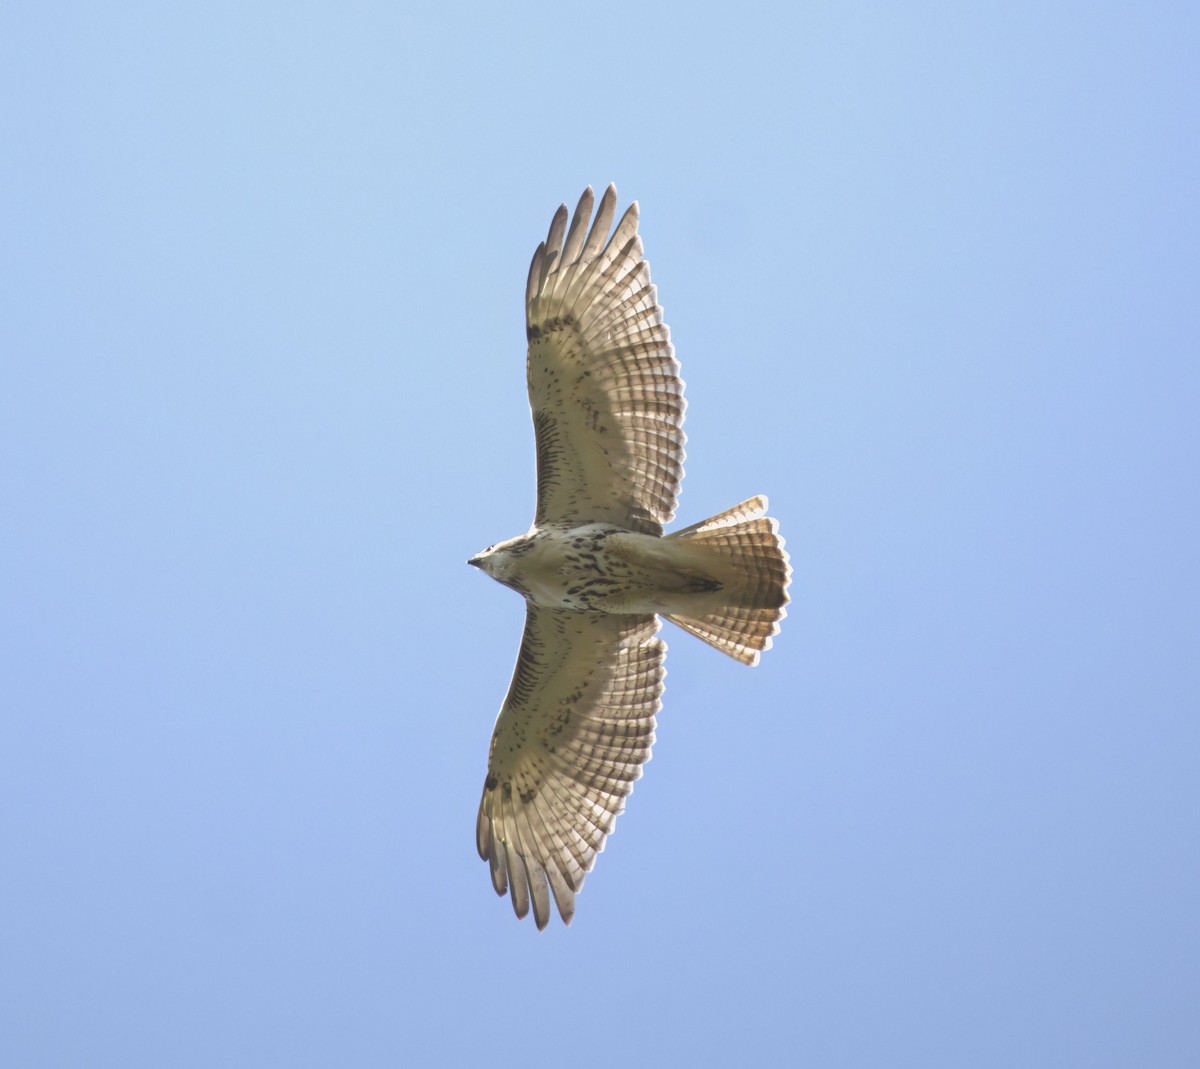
column 931, row 271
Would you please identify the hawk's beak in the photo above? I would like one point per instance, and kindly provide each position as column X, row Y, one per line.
column 474, row 562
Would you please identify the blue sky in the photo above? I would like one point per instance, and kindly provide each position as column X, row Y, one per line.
column 932, row 275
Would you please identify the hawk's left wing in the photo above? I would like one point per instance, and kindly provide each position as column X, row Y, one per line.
column 604, row 383
column 570, row 741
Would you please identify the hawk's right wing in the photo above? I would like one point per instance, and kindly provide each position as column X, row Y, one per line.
column 570, row 741
column 604, row 383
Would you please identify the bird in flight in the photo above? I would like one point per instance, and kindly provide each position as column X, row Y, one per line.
column 596, row 570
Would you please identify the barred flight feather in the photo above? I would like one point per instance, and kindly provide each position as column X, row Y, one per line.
column 604, row 383
column 556, row 786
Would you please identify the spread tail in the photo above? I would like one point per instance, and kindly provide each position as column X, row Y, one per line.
column 741, row 549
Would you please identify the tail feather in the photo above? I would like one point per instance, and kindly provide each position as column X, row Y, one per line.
column 742, row 549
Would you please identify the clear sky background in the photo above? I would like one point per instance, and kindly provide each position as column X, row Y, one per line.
column 932, row 273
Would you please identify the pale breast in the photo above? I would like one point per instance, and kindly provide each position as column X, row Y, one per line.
column 603, row 568
column 572, row 568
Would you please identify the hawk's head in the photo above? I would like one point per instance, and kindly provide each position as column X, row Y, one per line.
column 502, row 561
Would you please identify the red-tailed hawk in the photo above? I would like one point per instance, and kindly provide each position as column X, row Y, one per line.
column 596, row 569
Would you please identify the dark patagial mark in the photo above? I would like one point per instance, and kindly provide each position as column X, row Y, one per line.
column 536, row 331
